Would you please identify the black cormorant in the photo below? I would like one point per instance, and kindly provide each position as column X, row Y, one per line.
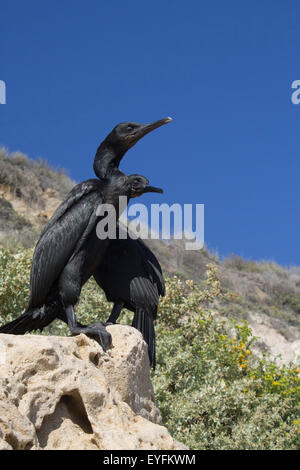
column 130, row 275
column 69, row 250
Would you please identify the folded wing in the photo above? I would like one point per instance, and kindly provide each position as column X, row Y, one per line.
column 61, row 236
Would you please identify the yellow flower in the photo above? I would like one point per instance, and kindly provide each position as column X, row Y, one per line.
column 276, row 383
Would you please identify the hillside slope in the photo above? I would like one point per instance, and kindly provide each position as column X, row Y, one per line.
column 30, row 191
column 265, row 294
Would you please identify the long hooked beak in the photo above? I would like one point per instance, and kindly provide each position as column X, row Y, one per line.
column 142, row 131
column 152, row 189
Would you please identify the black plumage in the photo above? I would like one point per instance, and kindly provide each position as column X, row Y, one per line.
column 131, row 277
column 135, row 281
column 69, row 251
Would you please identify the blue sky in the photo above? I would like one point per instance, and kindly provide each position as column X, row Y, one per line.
column 222, row 70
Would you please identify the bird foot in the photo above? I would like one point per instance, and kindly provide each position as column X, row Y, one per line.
column 96, row 330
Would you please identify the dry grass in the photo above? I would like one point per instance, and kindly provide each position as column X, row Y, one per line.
column 27, row 178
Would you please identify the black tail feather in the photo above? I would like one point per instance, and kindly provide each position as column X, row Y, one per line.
column 145, row 324
column 20, row 325
column 32, row 319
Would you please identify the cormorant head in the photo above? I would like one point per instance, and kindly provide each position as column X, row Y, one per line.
column 119, row 140
column 127, row 134
column 140, row 185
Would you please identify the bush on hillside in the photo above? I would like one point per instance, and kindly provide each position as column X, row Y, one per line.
column 212, row 392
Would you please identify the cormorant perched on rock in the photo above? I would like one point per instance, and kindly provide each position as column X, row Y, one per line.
column 69, row 250
column 129, row 273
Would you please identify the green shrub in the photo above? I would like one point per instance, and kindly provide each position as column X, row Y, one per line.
column 291, row 300
column 9, row 218
column 240, row 264
column 212, row 392
column 14, row 283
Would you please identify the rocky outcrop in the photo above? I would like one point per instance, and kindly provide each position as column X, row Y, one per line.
column 66, row 393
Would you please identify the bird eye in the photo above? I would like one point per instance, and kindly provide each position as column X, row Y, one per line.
column 135, row 183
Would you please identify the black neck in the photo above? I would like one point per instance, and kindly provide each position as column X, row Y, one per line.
column 115, row 185
column 106, row 160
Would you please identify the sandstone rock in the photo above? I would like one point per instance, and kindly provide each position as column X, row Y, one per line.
column 66, row 393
